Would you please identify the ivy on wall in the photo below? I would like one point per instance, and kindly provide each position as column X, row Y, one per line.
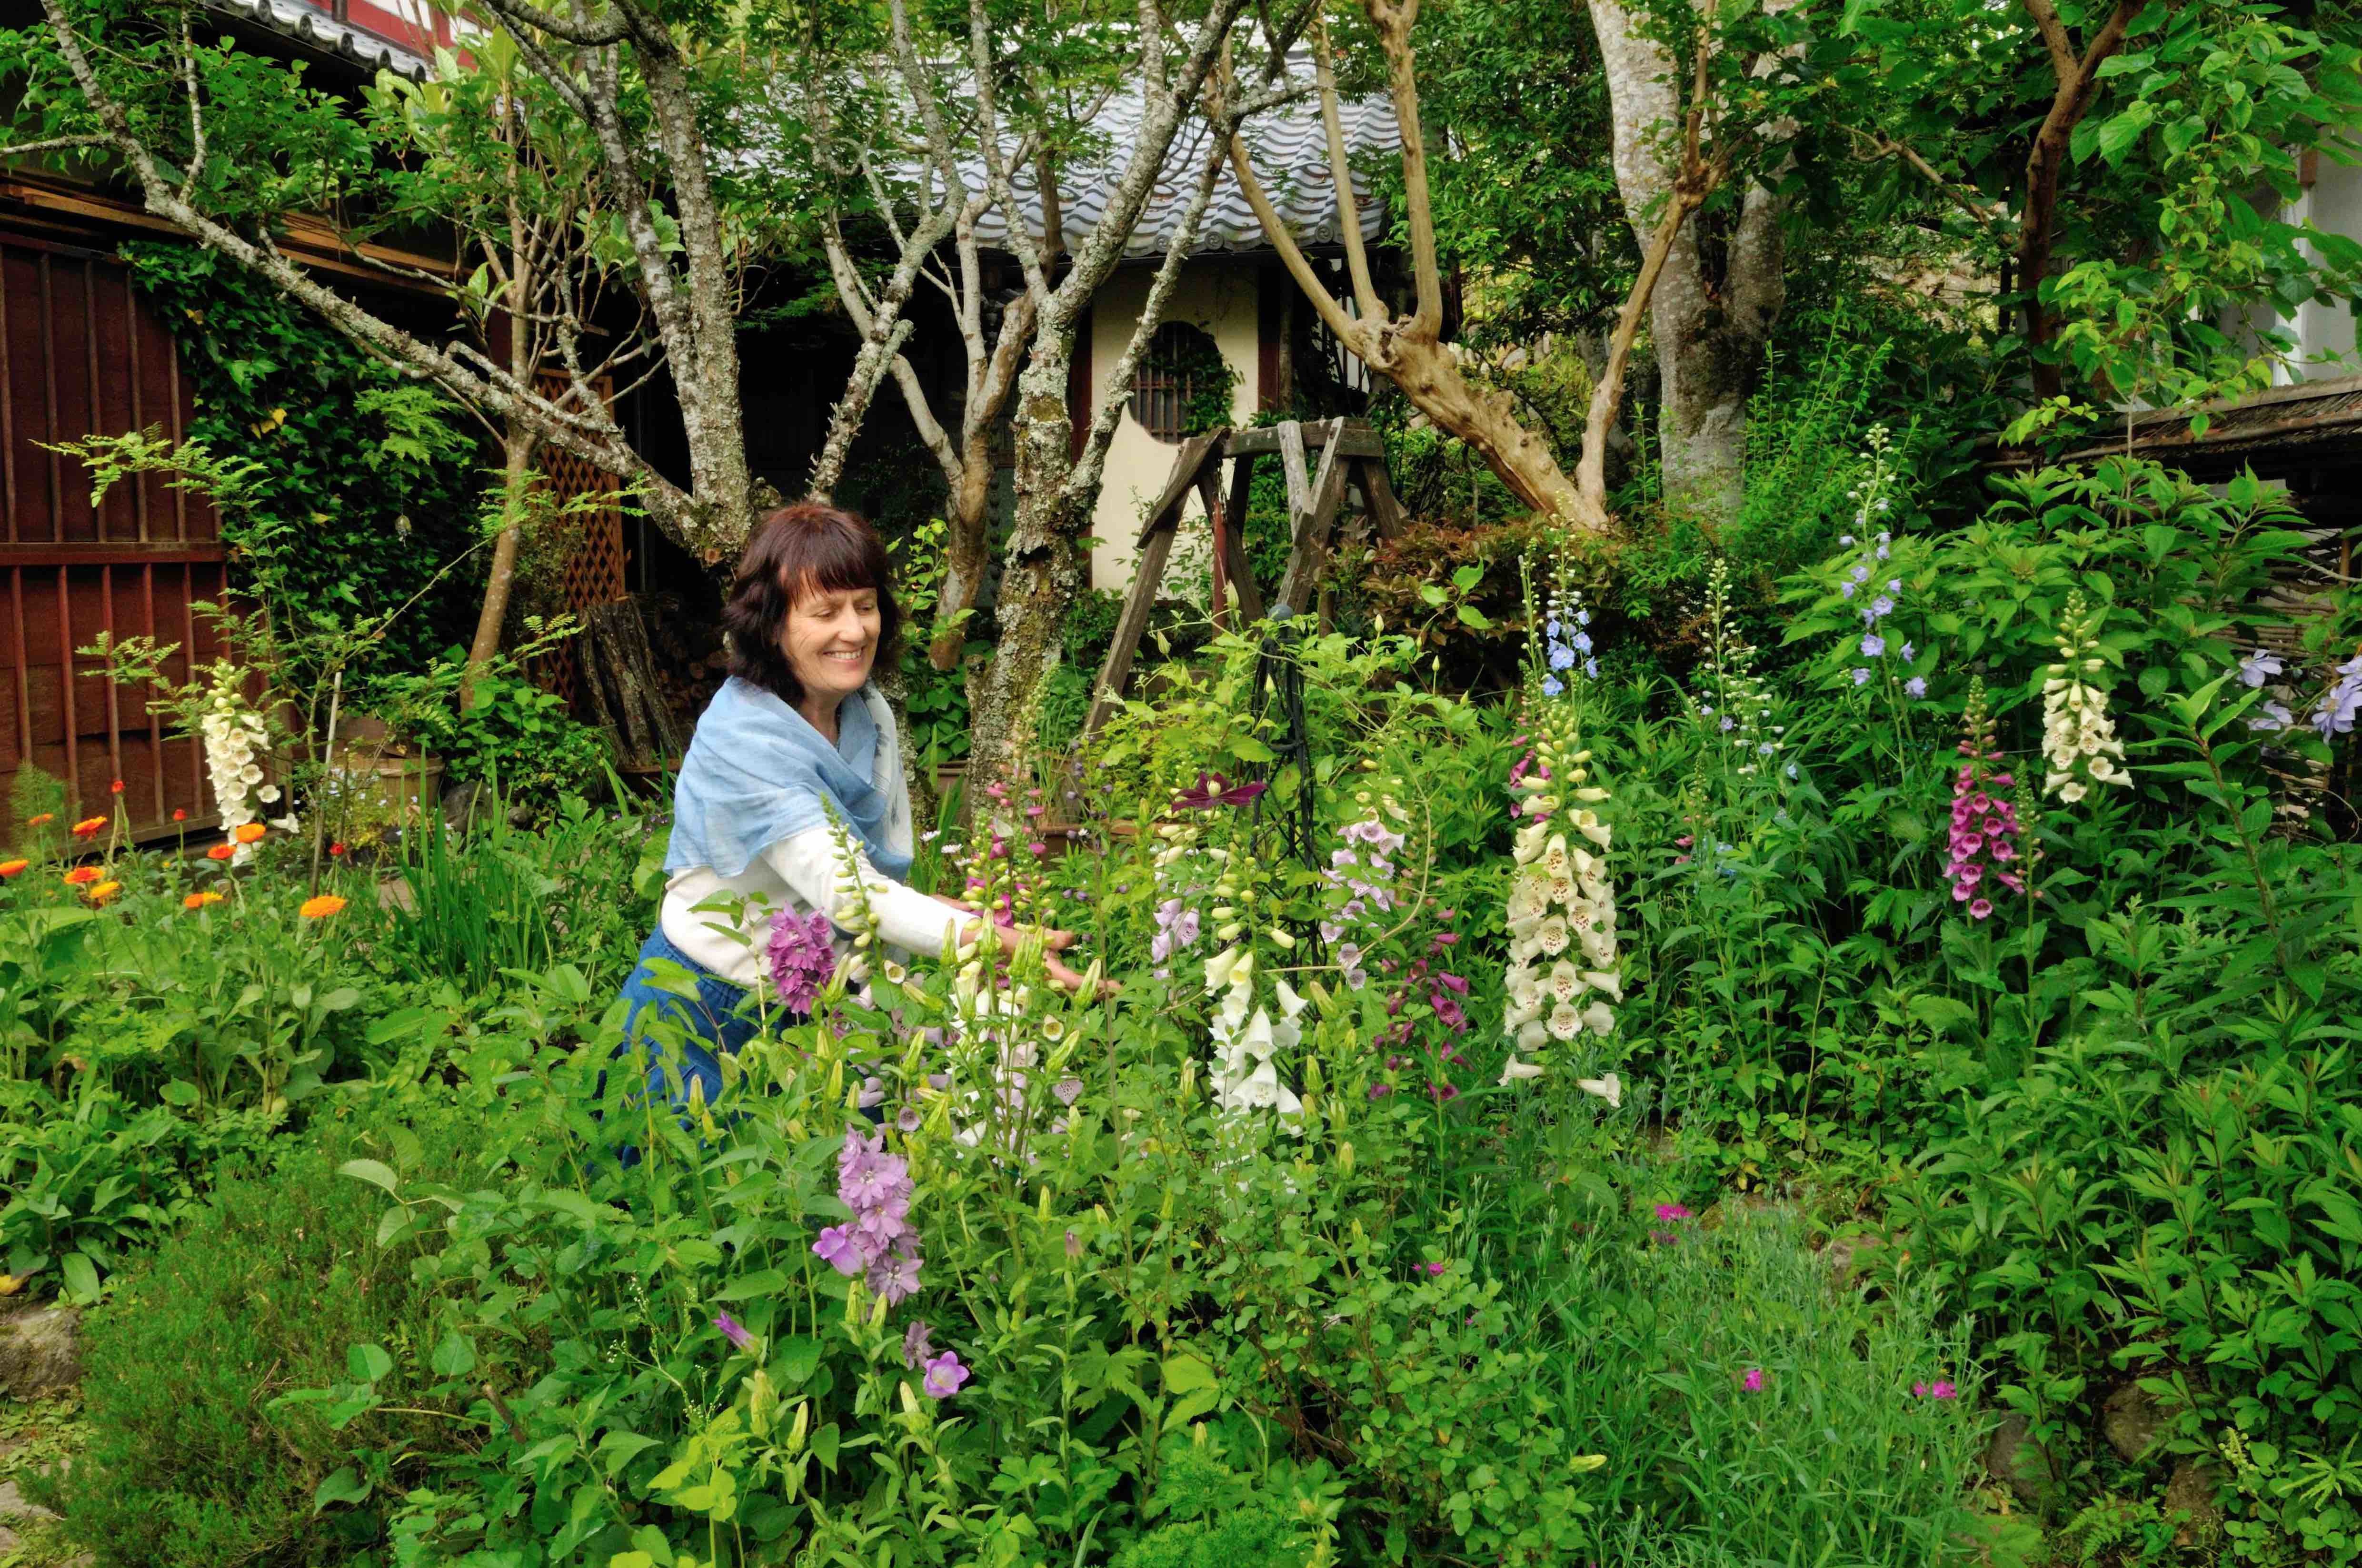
column 371, row 481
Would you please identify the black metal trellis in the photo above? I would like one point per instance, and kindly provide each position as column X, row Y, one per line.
column 1279, row 684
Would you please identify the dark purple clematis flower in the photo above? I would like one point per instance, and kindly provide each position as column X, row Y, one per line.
column 1212, row 790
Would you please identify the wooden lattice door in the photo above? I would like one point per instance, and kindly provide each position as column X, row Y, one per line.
column 593, row 549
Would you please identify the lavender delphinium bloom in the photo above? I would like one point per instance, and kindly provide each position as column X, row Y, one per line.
column 1916, row 686
column 2258, row 666
column 1860, row 677
column 802, row 958
column 1873, row 647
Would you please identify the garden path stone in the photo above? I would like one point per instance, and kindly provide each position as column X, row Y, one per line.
column 2130, row 1420
column 2020, row 1463
column 41, row 1350
column 2191, row 1492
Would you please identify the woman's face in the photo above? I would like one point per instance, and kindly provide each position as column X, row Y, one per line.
column 831, row 640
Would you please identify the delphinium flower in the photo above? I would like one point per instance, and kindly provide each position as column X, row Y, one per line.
column 803, row 957
column 1566, row 644
column 2079, row 740
column 1985, row 830
column 877, row 1241
column 945, row 1374
column 1737, row 705
column 2342, row 702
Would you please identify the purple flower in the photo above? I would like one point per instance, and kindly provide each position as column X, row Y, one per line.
column 915, row 1348
column 732, row 1331
column 1846, row 589
column 1379, row 1091
column 1880, row 608
column 1434, row 1269
column 1672, row 1211
column 1873, row 645
column 1551, row 686
column 1753, row 1381
column 837, row 1248
column 802, row 958
column 945, row 1376
column 2340, row 704
column 1069, row 1091
column 2269, row 717
column 894, row 1276
column 1908, row 653
column 1212, row 790
column 2258, row 667
column 1862, row 677
column 1943, row 1390
column 1916, row 686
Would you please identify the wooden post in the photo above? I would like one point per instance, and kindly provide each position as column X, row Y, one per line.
column 1199, row 454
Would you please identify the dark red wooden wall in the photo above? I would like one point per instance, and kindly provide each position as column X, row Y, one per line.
column 80, row 354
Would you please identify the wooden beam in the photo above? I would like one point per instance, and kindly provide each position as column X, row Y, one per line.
column 1358, row 438
column 1291, row 464
column 1146, row 574
column 1307, row 558
column 1234, row 572
column 1197, row 454
column 1386, row 512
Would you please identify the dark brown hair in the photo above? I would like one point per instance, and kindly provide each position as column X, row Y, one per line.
column 804, row 548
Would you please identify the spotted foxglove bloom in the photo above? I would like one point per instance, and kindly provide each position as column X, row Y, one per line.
column 1247, row 1038
column 2079, row 739
column 1561, row 909
column 235, row 738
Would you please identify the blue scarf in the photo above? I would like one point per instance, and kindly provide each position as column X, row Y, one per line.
column 756, row 773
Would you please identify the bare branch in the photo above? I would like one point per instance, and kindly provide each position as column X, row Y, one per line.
column 1341, row 171
column 196, row 112
column 1394, row 22
column 2054, row 40
column 521, row 15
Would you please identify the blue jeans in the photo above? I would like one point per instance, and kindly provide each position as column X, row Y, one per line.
column 708, row 1025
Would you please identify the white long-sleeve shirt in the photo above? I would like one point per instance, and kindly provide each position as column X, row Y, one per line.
column 800, row 873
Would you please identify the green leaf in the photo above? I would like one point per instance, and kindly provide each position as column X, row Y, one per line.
column 455, row 1355
column 345, row 1486
column 81, row 1276
column 794, row 1360
column 2118, row 135
column 374, row 1171
column 762, row 1282
column 1471, row 616
column 178, row 1092
column 368, row 1363
column 1186, row 1373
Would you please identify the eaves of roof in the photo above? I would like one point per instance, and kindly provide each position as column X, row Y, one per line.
column 346, row 40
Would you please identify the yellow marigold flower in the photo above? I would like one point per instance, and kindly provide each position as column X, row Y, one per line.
column 88, row 827
column 81, row 875
column 322, row 906
column 10, row 868
column 104, row 892
column 199, row 901
column 248, row 832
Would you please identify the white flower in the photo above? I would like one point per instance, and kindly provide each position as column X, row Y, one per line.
column 1565, row 1021
column 1598, row 1020
column 267, row 794
column 1514, row 1070
column 1609, row 1089
column 1532, row 1036
column 1551, row 937
column 1566, row 981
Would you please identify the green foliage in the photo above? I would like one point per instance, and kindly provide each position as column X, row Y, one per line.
column 362, row 485
column 513, row 734
column 276, row 1284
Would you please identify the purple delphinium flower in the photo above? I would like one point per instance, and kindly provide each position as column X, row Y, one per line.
column 877, row 1241
column 1552, row 685
column 733, row 1331
column 1753, row 1381
column 945, row 1376
column 1847, row 589
column 837, row 1249
column 2258, row 666
column 1916, row 686
column 1909, row 653
column 1860, row 677
column 1873, row 645
column 803, row 957
column 916, row 1348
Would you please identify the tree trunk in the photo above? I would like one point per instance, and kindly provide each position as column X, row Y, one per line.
column 967, row 551
column 1709, row 340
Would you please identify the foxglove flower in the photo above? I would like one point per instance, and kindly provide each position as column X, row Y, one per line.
column 803, row 957
column 2079, row 739
column 877, row 1241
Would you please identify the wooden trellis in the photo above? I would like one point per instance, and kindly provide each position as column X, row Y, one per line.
column 1352, row 459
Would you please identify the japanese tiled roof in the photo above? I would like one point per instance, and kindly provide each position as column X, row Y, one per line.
column 1287, row 147
column 2306, row 423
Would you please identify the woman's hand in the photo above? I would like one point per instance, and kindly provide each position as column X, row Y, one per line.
column 1054, row 941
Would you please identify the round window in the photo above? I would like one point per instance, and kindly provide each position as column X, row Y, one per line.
column 1181, row 387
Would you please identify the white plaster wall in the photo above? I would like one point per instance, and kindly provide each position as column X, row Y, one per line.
column 2336, row 206
column 1217, row 297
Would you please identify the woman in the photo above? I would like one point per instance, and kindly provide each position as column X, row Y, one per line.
column 796, row 731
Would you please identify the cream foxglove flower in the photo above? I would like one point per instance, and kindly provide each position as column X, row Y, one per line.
column 1514, row 1070
column 1609, row 1089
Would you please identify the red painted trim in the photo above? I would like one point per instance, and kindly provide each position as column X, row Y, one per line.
column 1271, row 321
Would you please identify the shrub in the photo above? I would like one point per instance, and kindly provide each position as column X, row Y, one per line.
column 277, row 1284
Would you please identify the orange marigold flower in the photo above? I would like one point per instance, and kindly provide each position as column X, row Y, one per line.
column 44, row 817
column 248, row 832
column 322, row 906
column 88, row 827
column 199, row 901
column 221, row 852
column 81, row 875
column 10, row 868
column 104, row 892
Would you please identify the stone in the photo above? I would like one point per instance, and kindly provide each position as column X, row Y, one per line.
column 2132, row 1420
column 1849, row 1255
column 41, row 1351
column 2190, row 1493
column 2020, row 1463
